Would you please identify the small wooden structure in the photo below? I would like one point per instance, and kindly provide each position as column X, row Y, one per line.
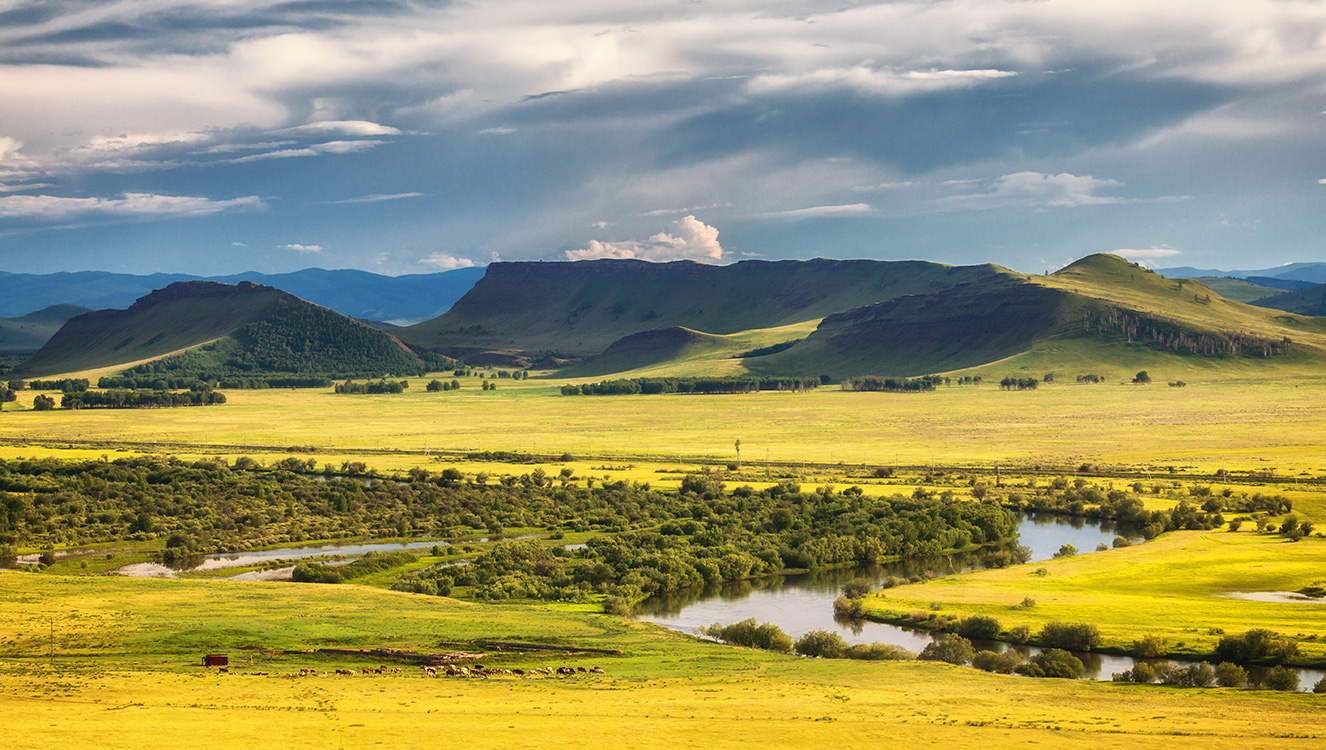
column 216, row 660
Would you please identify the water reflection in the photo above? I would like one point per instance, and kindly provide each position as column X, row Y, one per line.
column 804, row 602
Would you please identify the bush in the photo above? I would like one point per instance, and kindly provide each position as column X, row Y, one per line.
column 846, row 607
column 1149, row 647
column 616, row 605
column 1320, row 686
column 1066, row 550
column 878, row 652
column 856, row 588
column 1055, row 663
column 1282, row 679
column 1230, row 675
column 953, row 649
column 1002, row 663
column 751, row 634
column 1255, row 645
column 1070, row 636
column 979, row 628
column 1019, row 635
column 822, row 643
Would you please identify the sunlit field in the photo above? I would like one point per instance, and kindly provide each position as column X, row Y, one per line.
column 1234, row 425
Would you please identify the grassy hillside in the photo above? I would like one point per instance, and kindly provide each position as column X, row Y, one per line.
column 1239, row 290
column 1100, row 312
column 30, row 332
column 245, row 327
column 1310, row 301
column 578, row 309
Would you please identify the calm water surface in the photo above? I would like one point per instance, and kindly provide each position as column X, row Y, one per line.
column 804, row 602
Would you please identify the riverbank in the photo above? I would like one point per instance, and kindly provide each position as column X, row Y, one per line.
column 1174, row 588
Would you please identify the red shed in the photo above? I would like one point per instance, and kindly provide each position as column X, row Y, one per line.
column 216, row 660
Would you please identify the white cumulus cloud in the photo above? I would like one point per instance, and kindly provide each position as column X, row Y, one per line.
column 306, row 249
column 687, row 239
column 447, row 262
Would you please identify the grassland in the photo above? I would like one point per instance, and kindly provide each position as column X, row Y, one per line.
column 124, row 676
column 1232, row 424
column 1175, row 587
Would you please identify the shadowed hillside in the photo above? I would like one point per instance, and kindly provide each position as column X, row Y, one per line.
column 30, row 332
column 244, row 327
column 1100, row 312
column 519, row 311
column 1306, row 302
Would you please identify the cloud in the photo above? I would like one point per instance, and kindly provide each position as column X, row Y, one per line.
column 306, row 249
column 376, row 198
column 131, row 204
column 1158, row 251
column 687, row 238
column 344, row 127
column 497, row 131
column 238, row 244
column 1037, row 190
column 815, row 212
column 1321, row 182
column 330, row 147
column 881, row 186
column 877, row 82
column 448, row 262
column 600, row 225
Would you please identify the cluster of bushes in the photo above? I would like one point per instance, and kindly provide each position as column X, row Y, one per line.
column 121, row 399
column 956, row 649
column 1090, row 378
column 731, row 384
column 381, row 386
column 1079, row 498
column 247, row 382
column 64, row 385
column 441, row 385
column 650, row 541
column 823, row 644
column 893, row 385
column 1257, row 645
column 373, row 562
column 1010, row 383
column 1203, row 675
column 7, row 394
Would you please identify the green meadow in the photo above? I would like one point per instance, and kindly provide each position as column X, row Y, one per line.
column 125, row 673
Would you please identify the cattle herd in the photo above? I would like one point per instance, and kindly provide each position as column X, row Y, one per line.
column 448, row 670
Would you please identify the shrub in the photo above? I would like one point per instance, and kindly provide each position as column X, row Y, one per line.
column 953, row 649
column 979, row 628
column 1230, row 675
column 1320, row 686
column 1019, row 635
column 847, row 607
column 1149, row 647
column 1256, row 644
column 1280, row 678
column 751, row 634
column 1053, row 663
column 878, row 652
column 1066, row 550
column 1002, row 663
column 856, row 588
column 1026, row 603
column 822, row 643
column 1071, row 636
column 1143, row 673
column 616, row 605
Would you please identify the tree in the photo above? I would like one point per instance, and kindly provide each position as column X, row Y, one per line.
column 1281, row 678
column 1056, row 663
column 822, row 643
column 43, row 403
column 1072, row 636
column 737, row 445
column 1230, row 675
column 1142, row 378
column 979, row 628
column 953, row 649
column 433, row 386
column 1002, row 663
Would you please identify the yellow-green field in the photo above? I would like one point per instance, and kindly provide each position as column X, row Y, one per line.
column 1174, row 587
column 124, row 676
column 1236, row 425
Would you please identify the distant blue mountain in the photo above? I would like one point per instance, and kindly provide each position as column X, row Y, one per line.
column 358, row 294
column 1311, row 273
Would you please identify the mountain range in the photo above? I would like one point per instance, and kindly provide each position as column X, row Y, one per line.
column 357, row 294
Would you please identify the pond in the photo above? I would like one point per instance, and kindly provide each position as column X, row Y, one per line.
column 804, row 602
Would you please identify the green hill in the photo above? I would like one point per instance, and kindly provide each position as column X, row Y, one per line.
column 1239, row 290
column 1101, row 314
column 30, row 332
column 1310, row 301
column 519, row 312
column 240, row 328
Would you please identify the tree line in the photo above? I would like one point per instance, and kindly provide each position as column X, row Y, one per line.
column 703, row 385
column 232, row 382
column 893, row 385
column 124, row 399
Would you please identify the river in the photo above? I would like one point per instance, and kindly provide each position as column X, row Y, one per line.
column 804, row 602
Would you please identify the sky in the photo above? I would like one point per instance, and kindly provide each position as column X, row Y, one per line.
column 412, row 136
